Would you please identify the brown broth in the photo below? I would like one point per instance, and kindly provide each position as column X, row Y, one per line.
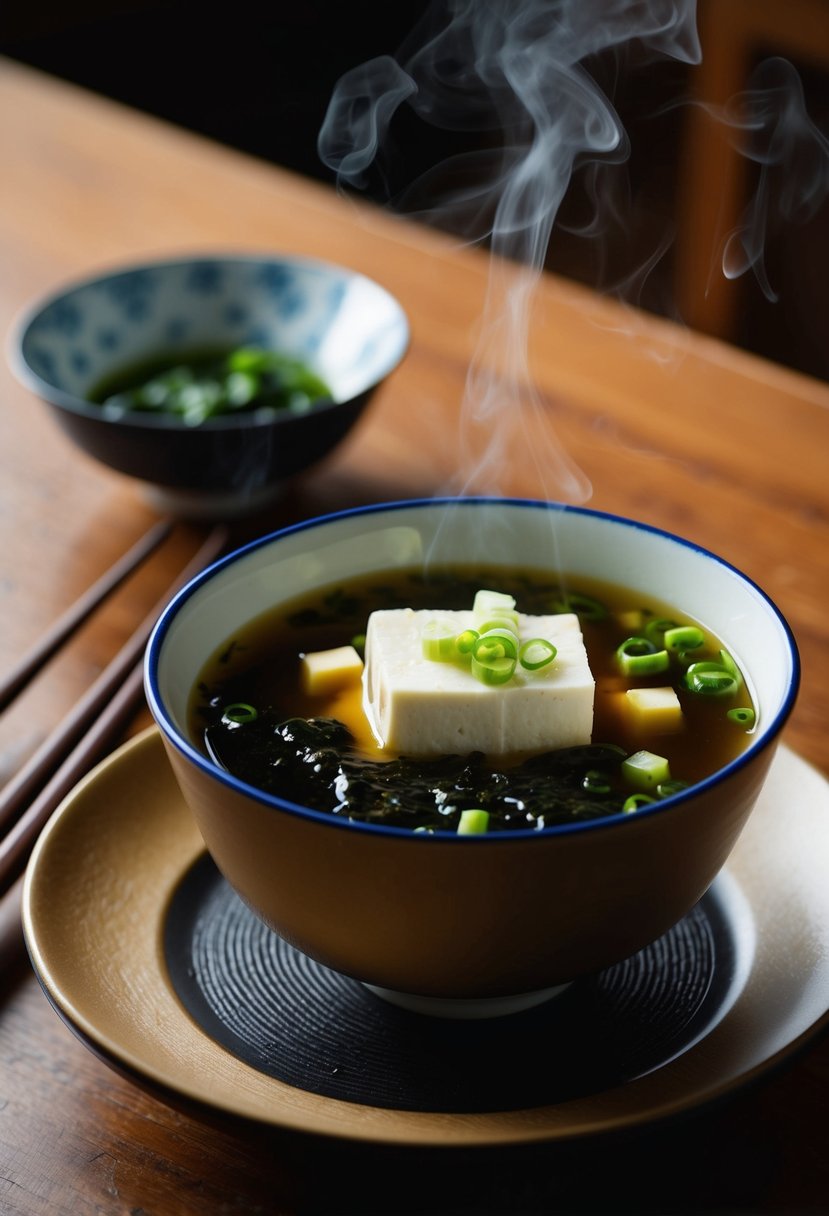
column 260, row 665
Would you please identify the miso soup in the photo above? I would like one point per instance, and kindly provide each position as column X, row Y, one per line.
column 251, row 714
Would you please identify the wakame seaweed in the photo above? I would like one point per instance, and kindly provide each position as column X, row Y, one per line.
column 312, row 762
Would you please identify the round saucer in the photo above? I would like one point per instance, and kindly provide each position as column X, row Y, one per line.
column 114, row 905
column 302, row 1023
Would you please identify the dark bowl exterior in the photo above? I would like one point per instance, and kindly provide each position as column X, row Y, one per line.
column 475, row 918
column 247, row 455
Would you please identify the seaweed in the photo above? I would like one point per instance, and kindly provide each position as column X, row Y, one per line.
column 312, row 762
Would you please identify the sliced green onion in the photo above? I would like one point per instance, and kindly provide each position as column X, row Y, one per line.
column 639, row 657
column 584, row 606
column 465, row 642
column 241, row 387
column 493, row 670
column 359, row 644
column 666, row 788
column 437, row 639
column 240, row 713
column 493, row 602
column 645, row 770
column 634, row 801
column 424, row 831
column 496, row 620
column 656, row 629
column 495, row 651
column 248, row 359
column 731, row 667
column 495, row 645
column 536, row 653
column 710, row 679
column 744, row 716
column 473, row 823
column 494, row 640
column 595, row 782
column 683, row 638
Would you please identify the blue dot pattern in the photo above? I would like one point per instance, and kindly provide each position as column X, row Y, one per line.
column 348, row 328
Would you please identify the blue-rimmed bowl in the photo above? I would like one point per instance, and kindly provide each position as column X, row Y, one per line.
column 498, row 919
column 346, row 327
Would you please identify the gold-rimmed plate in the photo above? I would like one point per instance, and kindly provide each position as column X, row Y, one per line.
column 117, row 854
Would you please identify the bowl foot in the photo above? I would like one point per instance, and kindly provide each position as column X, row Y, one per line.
column 209, row 505
column 463, row 1007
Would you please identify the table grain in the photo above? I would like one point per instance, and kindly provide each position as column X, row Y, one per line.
column 666, row 425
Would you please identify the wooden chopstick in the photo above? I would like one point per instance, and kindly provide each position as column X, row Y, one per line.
column 11, row 934
column 43, row 762
column 28, row 667
column 117, row 694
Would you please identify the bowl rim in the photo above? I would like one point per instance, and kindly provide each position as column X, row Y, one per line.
column 194, row 756
column 34, row 382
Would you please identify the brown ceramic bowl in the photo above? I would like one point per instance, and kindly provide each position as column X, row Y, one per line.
column 501, row 919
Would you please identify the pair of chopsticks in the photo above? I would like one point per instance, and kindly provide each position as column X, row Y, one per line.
column 103, row 713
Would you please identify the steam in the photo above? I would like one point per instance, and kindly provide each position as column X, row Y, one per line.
column 515, row 82
column 514, row 76
column 769, row 125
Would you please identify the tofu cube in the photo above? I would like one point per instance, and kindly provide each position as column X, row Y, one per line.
column 420, row 707
column 633, row 620
column 324, row 671
column 655, row 710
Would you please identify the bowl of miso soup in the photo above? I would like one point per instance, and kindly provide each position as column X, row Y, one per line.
column 214, row 380
column 467, row 751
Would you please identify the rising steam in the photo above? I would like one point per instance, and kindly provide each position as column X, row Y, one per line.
column 517, row 72
column 770, row 126
column 516, row 81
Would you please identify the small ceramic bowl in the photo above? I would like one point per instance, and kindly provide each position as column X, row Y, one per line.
column 346, row 328
column 503, row 919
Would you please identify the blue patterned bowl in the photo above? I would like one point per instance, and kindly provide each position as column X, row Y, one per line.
column 348, row 329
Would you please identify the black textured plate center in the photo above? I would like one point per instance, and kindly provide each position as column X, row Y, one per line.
column 319, row 1031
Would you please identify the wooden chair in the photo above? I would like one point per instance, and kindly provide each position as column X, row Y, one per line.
column 713, row 187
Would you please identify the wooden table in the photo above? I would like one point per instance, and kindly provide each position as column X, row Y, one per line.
column 672, row 428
